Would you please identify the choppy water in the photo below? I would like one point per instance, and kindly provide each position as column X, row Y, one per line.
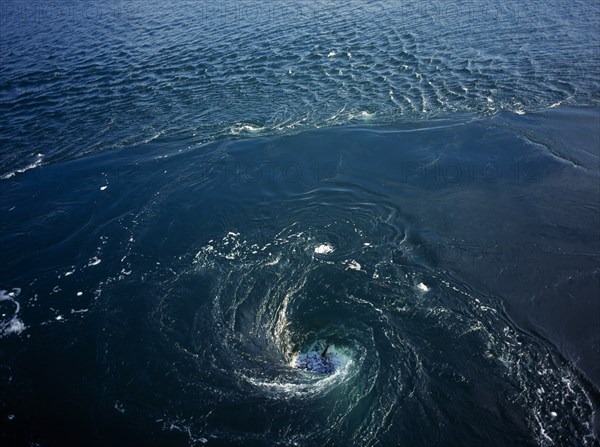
column 193, row 193
column 81, row 78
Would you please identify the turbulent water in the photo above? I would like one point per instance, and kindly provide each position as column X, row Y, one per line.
column 192, row 195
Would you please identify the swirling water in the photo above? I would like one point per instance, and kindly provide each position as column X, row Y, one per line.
column 193, row 193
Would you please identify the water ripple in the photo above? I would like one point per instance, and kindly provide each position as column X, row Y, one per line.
column 100, row 76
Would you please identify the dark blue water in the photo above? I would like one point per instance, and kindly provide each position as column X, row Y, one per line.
column 192, row 194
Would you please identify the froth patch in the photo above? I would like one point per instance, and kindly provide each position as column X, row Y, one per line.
column 11, row 324
column 35, row 164
column 94, row 261
column 353, row 265
column 324, row 249
column 14, row 326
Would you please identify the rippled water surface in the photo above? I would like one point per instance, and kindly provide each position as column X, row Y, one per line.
column 193, row 194
column 83, row 78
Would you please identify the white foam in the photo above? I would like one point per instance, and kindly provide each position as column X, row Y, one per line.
column 273, row 262
column 422, row 287
column 14, row 325
column 353, row 265
column 153, row 137
column 324, row 249
column 33, row 165
column 79, row 311
column 237, row 129
column 94, row 261
column 331, row 54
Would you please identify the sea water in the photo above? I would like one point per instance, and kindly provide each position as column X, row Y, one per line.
column 192, row 193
